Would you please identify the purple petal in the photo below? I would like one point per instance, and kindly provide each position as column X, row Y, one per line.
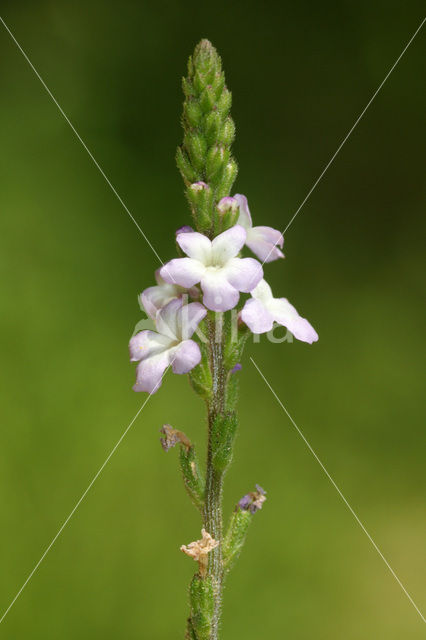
column 244, row 273
column 166, row 319
column 245, row 502
column 185, row 229
column 228, row 244
column 245, row 218
column 256, row 316
column 237, row 367
column 154, row 298
column 219, row 295
column 285, row 314
column 183, row 271
column 186, row 356
column 262, row 241
column 149, row 373
column 227, row 203
column 147, row 343
column 189, row 317
column 195, row 245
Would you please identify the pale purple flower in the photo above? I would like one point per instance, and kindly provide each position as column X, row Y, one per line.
column 155, row 298
column 169, row 345
column 253, row 501
column 228, row 204
column 237, row 367
column 185, row 229
column 262, row 241
column 213, row 263
column 262, row 310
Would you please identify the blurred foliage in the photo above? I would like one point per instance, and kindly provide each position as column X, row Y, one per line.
column 72, row 264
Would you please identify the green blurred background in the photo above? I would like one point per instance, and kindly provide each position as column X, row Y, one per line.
column 72, row 264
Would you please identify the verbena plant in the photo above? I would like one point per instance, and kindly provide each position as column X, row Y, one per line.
column 201, row 326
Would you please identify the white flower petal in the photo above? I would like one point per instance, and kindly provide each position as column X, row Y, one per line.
column 147, row 343
column 262, row 241
column 219, row 295
column 256, row 316
column 183, row 271
column 149, row 372
column 167, row 319
column 227, row 245
column 245, row 218
column 154, row 298
column 243, row 273
column 188, row 319
column 285, row 314
column 195, row 245
column 262, row 292
column 185, row 357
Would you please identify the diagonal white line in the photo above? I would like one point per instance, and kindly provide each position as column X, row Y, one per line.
column 95, row 162
column 357, row 121
column 339, row 492
column 78, row 503
column 355, row 124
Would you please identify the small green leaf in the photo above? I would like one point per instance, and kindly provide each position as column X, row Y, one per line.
column 192, row 477
column 235, row 536
column 222, row 439
column 201, row 597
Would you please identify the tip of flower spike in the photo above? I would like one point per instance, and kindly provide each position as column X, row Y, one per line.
column 205, row 55
column 253, row 501
column 204, row 48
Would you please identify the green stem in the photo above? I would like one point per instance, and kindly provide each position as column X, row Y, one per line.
column 213, row 520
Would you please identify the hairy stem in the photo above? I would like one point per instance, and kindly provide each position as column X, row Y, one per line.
column 214, row 479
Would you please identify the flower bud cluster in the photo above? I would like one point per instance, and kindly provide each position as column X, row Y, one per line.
column 204, row 158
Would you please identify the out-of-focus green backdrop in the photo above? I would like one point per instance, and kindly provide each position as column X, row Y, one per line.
column 72, row 264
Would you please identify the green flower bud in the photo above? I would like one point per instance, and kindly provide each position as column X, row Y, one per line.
column 227, row 214
column 224, row 103
column 197, row 147
column 218, row 84
column 208, row 133
column 227, row 133
column 227, row 179
column 217, row 159
column 193, row 113
column 213, row 126
column 184, row 166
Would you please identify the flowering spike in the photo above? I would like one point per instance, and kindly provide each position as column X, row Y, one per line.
column 200, row 326
column 208, row 134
